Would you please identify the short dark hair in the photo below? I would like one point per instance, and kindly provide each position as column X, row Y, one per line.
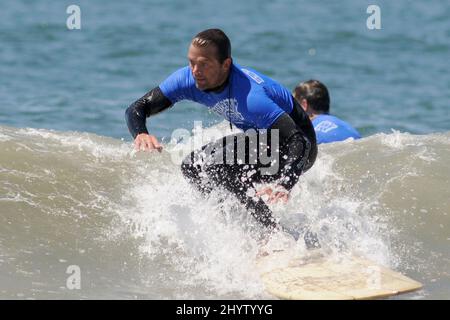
column 216, row 37
column 316, row 93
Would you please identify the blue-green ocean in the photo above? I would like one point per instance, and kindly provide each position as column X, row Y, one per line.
column 73, row 191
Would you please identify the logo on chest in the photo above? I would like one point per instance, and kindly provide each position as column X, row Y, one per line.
column 228, row 108
column 326, row 126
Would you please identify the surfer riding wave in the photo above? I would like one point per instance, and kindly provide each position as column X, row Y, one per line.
column 252, row 102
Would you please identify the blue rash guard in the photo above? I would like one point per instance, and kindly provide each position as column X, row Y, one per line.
column 331, row 129
column 256, row 101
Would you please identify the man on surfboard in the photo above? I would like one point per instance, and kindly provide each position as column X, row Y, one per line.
column 270, row 118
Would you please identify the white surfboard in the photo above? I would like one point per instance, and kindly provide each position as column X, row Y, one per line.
column 322, row 278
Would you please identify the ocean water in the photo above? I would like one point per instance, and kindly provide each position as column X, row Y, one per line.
column 73, row 191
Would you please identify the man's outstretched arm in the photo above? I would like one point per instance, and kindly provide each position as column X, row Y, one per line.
column 151, row 103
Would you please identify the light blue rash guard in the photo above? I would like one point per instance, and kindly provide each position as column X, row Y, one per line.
column 250, row 100
column 331, row 129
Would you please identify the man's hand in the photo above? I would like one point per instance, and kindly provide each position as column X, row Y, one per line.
column 146, row 142
column 275, row 195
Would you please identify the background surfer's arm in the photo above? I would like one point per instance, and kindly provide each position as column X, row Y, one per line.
column 151, row 103
column 291, row 140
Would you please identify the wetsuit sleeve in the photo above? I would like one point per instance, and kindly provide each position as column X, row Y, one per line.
column 151, row 103
column 294, row 150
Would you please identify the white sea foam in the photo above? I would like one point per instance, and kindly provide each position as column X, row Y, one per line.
column 192, row 247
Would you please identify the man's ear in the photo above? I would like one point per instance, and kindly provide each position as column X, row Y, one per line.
column 304, row 104
column 227, row 63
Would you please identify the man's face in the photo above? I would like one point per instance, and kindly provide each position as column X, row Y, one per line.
column 208, row 72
